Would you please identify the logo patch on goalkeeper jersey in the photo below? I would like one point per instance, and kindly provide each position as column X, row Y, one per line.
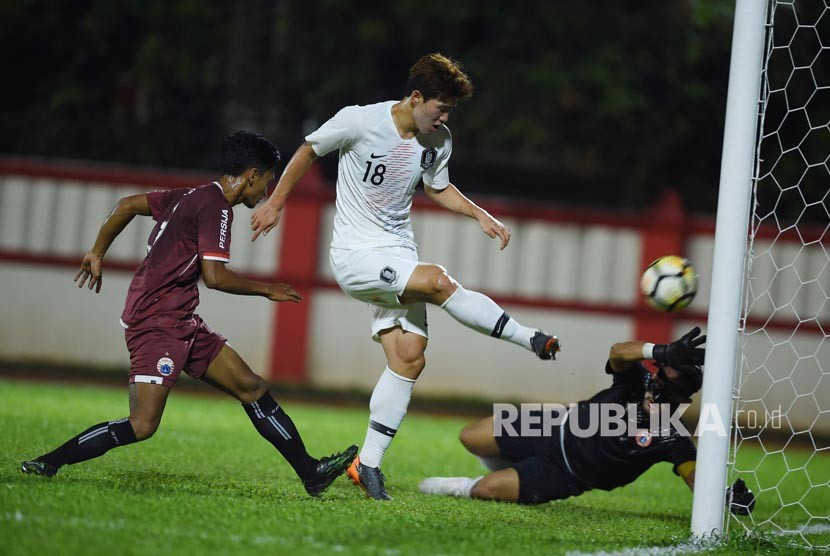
column 389, row 275
column 643, row 438
column 428, row 158
column 165, row 366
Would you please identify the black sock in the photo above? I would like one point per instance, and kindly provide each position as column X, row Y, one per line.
column 278, row 429
column 93, row 442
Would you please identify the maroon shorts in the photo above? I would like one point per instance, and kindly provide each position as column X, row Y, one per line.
column 159, row 353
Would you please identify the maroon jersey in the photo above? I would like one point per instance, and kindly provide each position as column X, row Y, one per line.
column 191, row 224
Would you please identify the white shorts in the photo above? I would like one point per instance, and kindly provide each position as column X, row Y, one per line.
column 377, row 276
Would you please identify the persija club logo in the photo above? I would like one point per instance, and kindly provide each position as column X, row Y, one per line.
column 165, row 366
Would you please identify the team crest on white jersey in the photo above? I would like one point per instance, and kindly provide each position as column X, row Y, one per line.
column 165, row 366
column 428, row 158
column 389, row 275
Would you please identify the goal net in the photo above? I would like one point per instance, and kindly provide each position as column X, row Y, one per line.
column 781, row 431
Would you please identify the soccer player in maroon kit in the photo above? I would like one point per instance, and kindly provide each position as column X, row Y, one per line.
column 191, row 238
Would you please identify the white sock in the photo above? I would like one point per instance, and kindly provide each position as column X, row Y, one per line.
column 494, row 463
column 477, row 311
column 387, row 408
column 449, row 486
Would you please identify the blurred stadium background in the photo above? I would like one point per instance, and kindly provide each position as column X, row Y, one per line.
column 595, row 133
column 571, row 271
column 602, row 105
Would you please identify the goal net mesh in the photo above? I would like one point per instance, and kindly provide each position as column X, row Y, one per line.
column 781, row 429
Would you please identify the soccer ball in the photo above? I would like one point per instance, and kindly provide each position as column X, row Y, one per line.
column 669, row 284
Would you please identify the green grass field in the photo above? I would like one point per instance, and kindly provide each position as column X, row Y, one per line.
column 206, row 483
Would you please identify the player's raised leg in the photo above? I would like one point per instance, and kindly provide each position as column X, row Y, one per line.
column 147, row 403
column 229, row 373
column 388, row 405
column 432, row 284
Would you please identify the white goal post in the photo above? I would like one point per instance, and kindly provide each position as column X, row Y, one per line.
column 737, row 166
column 768, row 336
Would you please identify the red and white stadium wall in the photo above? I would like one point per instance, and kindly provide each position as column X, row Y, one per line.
column 572, row 272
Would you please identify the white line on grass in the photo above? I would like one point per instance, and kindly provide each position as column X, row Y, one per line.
column 696, row 547
column 688, row 547
column 817, row 528
column 20, row 517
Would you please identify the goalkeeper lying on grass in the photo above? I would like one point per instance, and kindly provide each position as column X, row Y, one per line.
column 536, row 458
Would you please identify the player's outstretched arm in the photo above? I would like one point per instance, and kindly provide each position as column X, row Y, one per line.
column 680, row 354
column 266, row 217
column 452, row 199
column 125, row 210
column 219, row 277
column 624, row 354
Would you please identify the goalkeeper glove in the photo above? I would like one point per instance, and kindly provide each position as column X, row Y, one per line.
column 740, row 499
column 682, row 353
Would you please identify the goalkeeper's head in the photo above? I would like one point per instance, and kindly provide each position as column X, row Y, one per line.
column 677, row 385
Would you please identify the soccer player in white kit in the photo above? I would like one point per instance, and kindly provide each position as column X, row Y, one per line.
column 385, row 151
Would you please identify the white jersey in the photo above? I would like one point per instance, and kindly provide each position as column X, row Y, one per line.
column 377, row 174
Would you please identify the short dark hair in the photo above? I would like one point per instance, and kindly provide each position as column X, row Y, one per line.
column 247, row 149
column 437, row 76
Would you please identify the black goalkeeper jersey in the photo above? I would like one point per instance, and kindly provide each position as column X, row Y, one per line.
column 607, row 462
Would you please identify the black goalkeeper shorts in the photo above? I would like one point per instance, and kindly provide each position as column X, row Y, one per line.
column 542, row 475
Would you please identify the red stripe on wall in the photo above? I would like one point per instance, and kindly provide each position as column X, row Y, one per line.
column 665, row 229
column 301, row 284
column 297, row 258
column 664, row 235
column 101, row 174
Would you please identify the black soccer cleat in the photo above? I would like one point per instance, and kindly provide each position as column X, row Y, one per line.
column 545, row 346
column 328, row 469
column 370, row 479
column 740, row 499
column 37, row 467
